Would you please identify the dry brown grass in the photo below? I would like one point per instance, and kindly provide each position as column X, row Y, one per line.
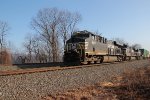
column 88, row 93
column 134, row 85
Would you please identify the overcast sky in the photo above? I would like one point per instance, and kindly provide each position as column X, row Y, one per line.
column 126, row 19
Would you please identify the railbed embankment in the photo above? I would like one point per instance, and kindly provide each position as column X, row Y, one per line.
column 33, row 86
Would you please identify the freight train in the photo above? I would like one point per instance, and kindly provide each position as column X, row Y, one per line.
column 85, row 47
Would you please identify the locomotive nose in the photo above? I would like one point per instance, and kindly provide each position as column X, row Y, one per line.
column 71, row 57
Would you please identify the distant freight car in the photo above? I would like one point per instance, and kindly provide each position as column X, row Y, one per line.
column 144, row 53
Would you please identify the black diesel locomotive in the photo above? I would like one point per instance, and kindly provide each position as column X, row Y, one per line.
column 85, row 47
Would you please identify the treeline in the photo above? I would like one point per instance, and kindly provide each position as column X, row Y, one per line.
column 52, row 27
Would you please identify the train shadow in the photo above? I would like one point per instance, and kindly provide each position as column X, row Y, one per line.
column 39, row 65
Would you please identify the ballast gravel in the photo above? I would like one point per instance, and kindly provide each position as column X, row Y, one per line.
column 34, row 86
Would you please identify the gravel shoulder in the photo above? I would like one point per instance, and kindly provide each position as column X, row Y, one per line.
column 34, row 86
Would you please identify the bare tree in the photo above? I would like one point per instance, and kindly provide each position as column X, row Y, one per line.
column 46, row 24
column 4, row 55
column 28, row 44
column 54, row 25
column 50, row 23
column 4, row 28
column 39, row 50
column 34, row 49
column 67, row 24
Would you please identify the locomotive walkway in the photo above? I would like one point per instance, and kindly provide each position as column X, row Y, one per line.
column 33, row 86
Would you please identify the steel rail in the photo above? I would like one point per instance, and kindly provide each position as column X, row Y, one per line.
column 56, row 68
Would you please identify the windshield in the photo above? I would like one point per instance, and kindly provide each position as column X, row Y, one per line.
column 73, row 46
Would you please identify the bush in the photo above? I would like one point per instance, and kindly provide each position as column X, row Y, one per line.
column 5, row 58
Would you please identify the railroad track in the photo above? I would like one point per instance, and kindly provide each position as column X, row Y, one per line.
column 36, row 70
